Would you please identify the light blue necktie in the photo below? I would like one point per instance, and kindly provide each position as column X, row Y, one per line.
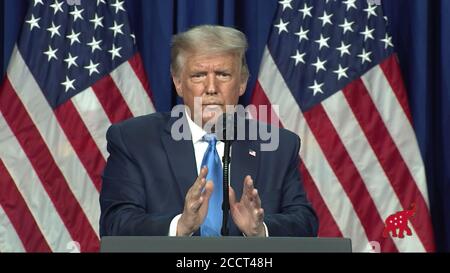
column 213, row 221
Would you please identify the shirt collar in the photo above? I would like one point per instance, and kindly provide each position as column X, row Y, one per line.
column 197, row 132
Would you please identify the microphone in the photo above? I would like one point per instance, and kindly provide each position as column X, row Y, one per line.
column 228, row 135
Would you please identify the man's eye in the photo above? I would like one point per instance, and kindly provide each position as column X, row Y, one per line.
column 197, row 75
column 197, row 78
column 223, row 75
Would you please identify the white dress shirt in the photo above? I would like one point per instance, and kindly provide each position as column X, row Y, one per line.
column 200, row 147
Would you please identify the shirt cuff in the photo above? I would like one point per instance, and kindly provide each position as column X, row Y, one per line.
column 265, row 229
column 173, row 226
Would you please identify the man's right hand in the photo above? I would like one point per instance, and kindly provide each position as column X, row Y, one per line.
column 195, row 205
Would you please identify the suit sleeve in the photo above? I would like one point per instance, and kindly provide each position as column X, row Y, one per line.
column 122, row 198
column 297, row 217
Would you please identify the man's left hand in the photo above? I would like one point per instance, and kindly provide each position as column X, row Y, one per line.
column 247, row 214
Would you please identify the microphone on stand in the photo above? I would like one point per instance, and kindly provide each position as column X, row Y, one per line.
column 229, row 132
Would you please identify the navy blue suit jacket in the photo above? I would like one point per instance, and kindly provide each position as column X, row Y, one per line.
column 148, row 174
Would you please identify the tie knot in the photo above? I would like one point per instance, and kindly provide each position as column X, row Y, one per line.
column 210, row 138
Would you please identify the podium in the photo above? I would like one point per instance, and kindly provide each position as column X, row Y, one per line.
column 165, row 244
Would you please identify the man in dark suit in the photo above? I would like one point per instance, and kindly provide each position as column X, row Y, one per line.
column 156, row 184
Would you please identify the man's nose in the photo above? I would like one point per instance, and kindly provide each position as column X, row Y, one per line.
column 211, row 84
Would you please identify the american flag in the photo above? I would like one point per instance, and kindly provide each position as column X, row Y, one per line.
column 331, row 69
column 74, row 71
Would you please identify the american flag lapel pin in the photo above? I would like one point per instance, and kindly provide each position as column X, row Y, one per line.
column 252, row 153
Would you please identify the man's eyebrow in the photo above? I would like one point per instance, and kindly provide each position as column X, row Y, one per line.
column 227, row 70
column 203, row 70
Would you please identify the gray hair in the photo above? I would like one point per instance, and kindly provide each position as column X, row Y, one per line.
column 209, row 39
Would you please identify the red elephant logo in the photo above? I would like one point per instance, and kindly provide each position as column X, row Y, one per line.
column 399, row 221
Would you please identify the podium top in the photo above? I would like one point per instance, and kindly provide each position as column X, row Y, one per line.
column 165, row 244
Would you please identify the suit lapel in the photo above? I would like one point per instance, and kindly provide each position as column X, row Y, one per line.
column 181, row 158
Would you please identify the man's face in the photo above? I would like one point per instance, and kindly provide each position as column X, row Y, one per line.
column 216, row 79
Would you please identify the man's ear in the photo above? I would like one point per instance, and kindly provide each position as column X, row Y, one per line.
column 242, row 87
column 177, row 83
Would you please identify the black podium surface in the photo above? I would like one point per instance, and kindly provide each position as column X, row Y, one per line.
column 165, row 244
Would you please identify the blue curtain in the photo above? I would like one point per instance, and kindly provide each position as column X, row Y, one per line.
column 421, row 33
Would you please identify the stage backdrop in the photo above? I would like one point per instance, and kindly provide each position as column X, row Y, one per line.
column 420, row 33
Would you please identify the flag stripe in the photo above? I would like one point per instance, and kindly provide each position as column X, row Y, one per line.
column 9, row 239
column 81, row 141
column 259, row 98
column 314, row 160
column 51, row 177
column 139, row 70
column 19, row 214
column 32, row 190
column 378, row 185
column 387, row 153
column 348, row 175
column 398, row 126
column 54, row 138
column 94, row 117
column 393, row 75
column 111, row 99
column 132, row 90
column 329, row 187
column 327, row 225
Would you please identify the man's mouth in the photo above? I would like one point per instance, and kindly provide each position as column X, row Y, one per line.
column 211, row 110
column 212, row 106
column 211, row 103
